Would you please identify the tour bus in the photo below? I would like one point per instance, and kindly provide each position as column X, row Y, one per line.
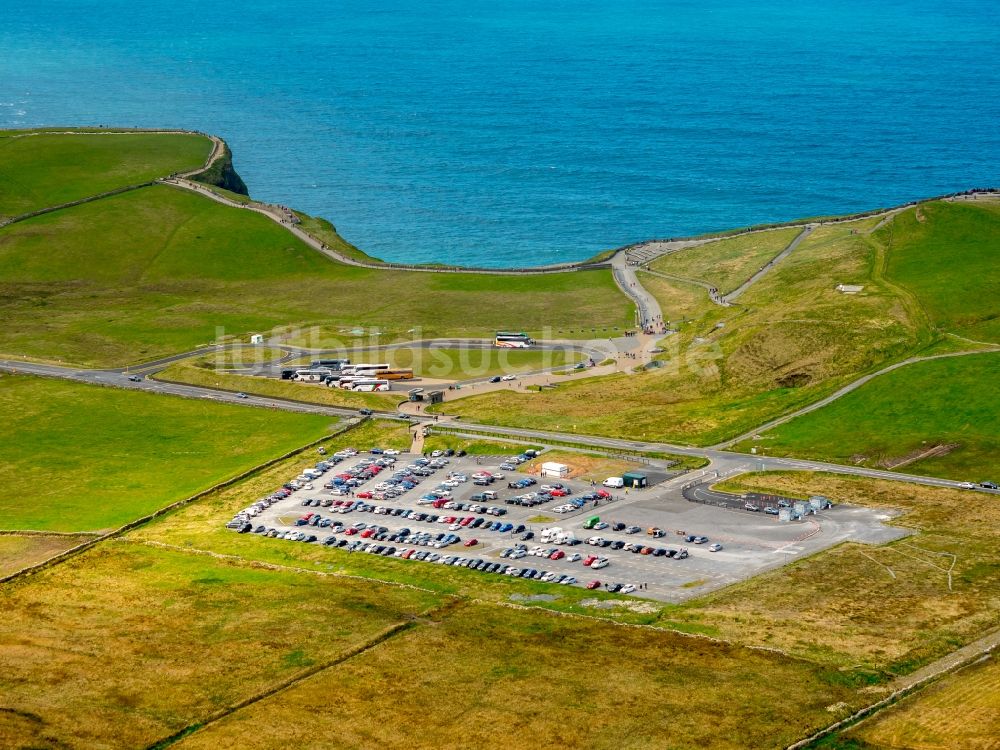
column 365, row 369
column 312, row 376
column 511, row 340
column 403, row 374
column 334, row 364
column 370, row 385
column 347, row 382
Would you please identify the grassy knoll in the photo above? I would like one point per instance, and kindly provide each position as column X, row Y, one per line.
column 521, row 679
column 38, row 171
column 946, row 254
column 474, row 447
column 961, row 712
column 198, row 269
column 128, row 643
column 793, row 339
column 81, row 458
column 314, row 393
column 680, row 301
column 17, row 552
column 945, row 402
column 727, row 263
column 461, row 364
column 235, row 359
column 843, row 606
column 592, row 466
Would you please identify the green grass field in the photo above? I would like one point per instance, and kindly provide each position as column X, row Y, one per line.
column 199, row 271
column 727, row 263
column 84, row 458
column 38, row 171
column 127, row 644
column 484, row 676
column 901, row 415
column 947, row 254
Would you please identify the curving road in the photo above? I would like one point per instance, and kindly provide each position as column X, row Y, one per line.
column 722, row 462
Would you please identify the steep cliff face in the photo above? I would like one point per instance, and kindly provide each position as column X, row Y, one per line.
column 223, row 175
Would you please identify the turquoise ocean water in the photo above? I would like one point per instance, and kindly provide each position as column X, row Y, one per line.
column 504, row 133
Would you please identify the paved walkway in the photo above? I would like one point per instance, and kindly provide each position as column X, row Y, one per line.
column 735, row 294
column 650, row 315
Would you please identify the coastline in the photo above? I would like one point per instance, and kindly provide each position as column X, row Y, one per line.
column 288, row 217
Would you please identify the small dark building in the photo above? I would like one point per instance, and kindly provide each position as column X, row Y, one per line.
column 634, row 479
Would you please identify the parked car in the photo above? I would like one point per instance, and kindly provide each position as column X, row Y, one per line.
column 714, row 547
column 595, row 584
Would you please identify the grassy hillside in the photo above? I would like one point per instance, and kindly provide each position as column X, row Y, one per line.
column 37, row 171
column 792, row 339
column 726, row 264
column 161, row 270
column 83, row 458
column 901, row 415
column 947, row 254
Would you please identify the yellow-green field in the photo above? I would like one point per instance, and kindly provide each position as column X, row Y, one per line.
column 888, row 608
column 498, row 677
column 127, row 644
column 961, row 712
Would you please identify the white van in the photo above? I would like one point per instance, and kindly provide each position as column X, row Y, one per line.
column 615, row 483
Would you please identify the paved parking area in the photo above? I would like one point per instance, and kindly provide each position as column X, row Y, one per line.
column 751, row 542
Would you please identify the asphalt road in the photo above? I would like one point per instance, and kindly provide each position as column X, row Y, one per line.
column 722, row 463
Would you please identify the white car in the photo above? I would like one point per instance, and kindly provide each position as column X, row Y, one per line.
column 714, row 547
column 307, row 487
column 391, row 452
column 498, row 475
column 600, row 562
column 628, row 588
column 437, row 454
column 575, row 557
column 509, row 377
column 967, row 486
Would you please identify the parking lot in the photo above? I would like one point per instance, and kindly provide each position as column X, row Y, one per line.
column 681, row 548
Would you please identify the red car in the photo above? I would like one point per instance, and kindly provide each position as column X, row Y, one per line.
column 351, row 531
column 558, row 493
column 589, row 559
column 603, row 493
column 408, row 554
column 449, row 519
column 557, row 555
column 594, row 585
column 367, row 533
column 472, row 543
column 365, row 495
column 467, row 520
